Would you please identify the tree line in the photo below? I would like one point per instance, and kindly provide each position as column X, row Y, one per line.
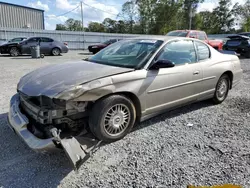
column 162, row 16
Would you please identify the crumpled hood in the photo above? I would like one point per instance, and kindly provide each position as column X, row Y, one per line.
column 54, row 79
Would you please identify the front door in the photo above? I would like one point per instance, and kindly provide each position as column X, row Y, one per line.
column 25, row 48
column 170, row 87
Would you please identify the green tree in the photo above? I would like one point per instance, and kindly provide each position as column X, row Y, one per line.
column 73, row 25
column 110, row 25
column 146, row 10
column 189, row 10
column 61, row 27
column 205, row 21
column 245, row 15
column 129, row 13
column 166, row 16
column 224, row 16
column 96, row 27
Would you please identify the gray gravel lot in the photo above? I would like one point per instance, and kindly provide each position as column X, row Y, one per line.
column 160, row 152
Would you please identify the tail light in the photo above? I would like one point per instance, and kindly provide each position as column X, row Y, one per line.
column 65, row 43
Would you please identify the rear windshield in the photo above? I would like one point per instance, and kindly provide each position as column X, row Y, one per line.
column 178, row 33
column 233, row 42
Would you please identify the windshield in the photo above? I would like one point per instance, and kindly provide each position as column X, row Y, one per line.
column 178, row 33
column 132, row 53
column 16, row 40
column 107, row 42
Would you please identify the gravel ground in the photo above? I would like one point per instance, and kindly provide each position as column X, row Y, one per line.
column 160, row 152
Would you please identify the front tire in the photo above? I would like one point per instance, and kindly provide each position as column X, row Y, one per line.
column 222, row 89
column 14, row 52
column 112, row 118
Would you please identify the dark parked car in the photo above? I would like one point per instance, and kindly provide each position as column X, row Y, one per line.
column 17, row 39
column 97, row 47
column 245, row 34
column 238, row 43
column 47, row 46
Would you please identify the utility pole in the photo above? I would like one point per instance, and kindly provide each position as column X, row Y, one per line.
column 82, row 26
column 82, row 16
column 190, row 17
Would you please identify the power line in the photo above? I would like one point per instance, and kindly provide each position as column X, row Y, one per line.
column 98, row 9
column 66, row 12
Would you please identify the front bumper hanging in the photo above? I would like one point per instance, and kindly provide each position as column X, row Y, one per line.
column 78, row 149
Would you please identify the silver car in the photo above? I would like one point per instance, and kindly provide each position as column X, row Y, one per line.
column 129, row 81
column 47, row 45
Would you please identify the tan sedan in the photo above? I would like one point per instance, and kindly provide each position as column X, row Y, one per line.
column 133, row 79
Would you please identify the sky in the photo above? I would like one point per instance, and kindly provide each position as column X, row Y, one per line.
column 93, row 10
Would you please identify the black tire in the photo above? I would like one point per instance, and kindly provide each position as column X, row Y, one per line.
column 14, row 52
column 55, row 51
column 222, row 89
column 105, row 129
column 94, row 52
column 247, row 54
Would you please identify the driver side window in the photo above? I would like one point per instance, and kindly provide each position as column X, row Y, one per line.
column 179, row 52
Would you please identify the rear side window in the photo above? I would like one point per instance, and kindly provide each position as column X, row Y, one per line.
column 201, row 36
column 46, row 40
column 193, row 35
column 33, row 40
column 203, row 51
column 113, row 41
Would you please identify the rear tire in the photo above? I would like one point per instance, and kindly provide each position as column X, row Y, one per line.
column 14, row 52
column 247, row 54
column 56, row 52
column 112, row 118
column 222, row 89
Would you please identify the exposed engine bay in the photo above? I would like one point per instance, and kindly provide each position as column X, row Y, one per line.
column 70, row 117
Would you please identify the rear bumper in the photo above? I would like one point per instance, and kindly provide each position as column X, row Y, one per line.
column 18, row 122
column 65, row 49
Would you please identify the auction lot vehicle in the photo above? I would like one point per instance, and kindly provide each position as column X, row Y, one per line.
column 47, row 46
column 14, row 40
column 238, row 43
column 129, row 81
column 97, row 47
column 217, row 44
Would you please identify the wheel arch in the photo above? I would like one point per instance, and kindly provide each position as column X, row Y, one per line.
column 230, row 75
column 135, row 100
column 58, row 47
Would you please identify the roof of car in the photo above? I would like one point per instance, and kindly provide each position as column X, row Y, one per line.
column 159, row 37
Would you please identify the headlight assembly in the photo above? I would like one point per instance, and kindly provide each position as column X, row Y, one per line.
column 78, row 90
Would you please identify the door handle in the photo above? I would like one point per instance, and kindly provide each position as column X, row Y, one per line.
column 196, row 72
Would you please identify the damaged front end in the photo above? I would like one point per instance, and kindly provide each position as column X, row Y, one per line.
column 44, row 123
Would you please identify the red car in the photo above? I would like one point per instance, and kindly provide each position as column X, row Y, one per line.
column 97, row 47
column 217, row 44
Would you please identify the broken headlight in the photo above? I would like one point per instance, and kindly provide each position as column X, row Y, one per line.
column 78, row 90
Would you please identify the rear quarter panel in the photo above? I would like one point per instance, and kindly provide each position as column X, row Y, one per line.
column 216, row 66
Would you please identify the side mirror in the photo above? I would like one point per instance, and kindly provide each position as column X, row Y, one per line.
column 162, row 64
